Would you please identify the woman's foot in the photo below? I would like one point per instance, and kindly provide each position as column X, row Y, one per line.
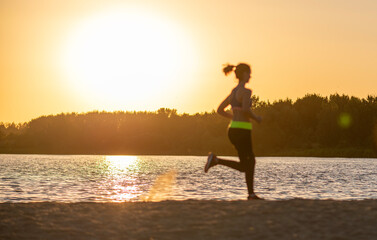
column 253, row 196
column 211, row 161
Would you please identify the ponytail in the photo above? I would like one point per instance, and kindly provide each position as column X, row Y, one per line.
column 240, row 68
column 228, row 68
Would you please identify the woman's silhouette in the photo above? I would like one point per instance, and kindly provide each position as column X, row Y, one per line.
column 239, row 131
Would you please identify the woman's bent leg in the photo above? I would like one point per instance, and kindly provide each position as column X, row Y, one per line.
column 232, row 164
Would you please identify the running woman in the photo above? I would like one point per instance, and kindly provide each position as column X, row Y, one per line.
column 239, row 131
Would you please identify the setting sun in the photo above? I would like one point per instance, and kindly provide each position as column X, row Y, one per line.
column 125, row 55
column 116, row 55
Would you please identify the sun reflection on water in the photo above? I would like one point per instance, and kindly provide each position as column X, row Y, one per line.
column 122, row 183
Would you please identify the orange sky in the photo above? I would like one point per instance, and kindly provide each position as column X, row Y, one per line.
column 294, row 48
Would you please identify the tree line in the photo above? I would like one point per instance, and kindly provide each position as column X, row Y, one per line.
column 337, row 126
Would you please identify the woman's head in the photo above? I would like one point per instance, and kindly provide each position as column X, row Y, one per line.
column 242, row 71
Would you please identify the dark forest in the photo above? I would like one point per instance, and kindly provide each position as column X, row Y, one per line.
column 334, row 126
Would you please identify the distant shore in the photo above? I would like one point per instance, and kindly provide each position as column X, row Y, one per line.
column 326, row 153
column 191, row 219
column 313, row 126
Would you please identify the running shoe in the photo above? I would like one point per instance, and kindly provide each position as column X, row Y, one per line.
column 211, row 161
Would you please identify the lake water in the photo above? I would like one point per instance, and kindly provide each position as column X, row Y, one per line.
column 79, row 178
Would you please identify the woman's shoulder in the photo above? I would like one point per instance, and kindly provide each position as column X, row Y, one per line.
column 246, row 91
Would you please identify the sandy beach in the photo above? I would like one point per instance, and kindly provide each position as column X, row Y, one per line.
column 191, row 219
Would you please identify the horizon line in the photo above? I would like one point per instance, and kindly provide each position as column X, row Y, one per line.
column 184, row 113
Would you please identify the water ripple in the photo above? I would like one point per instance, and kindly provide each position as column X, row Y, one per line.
column 68, row 178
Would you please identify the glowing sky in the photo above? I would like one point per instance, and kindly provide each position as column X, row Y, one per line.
column 294, row 48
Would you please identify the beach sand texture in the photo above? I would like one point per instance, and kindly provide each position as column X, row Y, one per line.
column 191, row 219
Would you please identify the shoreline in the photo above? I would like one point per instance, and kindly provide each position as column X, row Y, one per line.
column 193, row 155
column 191, row 219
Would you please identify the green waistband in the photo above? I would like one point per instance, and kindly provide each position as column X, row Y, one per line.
column 238, row 124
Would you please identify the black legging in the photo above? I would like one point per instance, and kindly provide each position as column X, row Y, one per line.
column 241, row 139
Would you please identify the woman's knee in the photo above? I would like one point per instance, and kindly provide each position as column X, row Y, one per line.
column 248, row 166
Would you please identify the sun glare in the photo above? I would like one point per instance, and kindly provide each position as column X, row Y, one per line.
column 126, row 55
column 121, row 162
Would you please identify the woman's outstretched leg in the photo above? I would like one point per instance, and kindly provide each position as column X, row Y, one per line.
column 249, row 174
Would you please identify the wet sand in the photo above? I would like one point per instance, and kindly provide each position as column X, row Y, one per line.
column 191, row 219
